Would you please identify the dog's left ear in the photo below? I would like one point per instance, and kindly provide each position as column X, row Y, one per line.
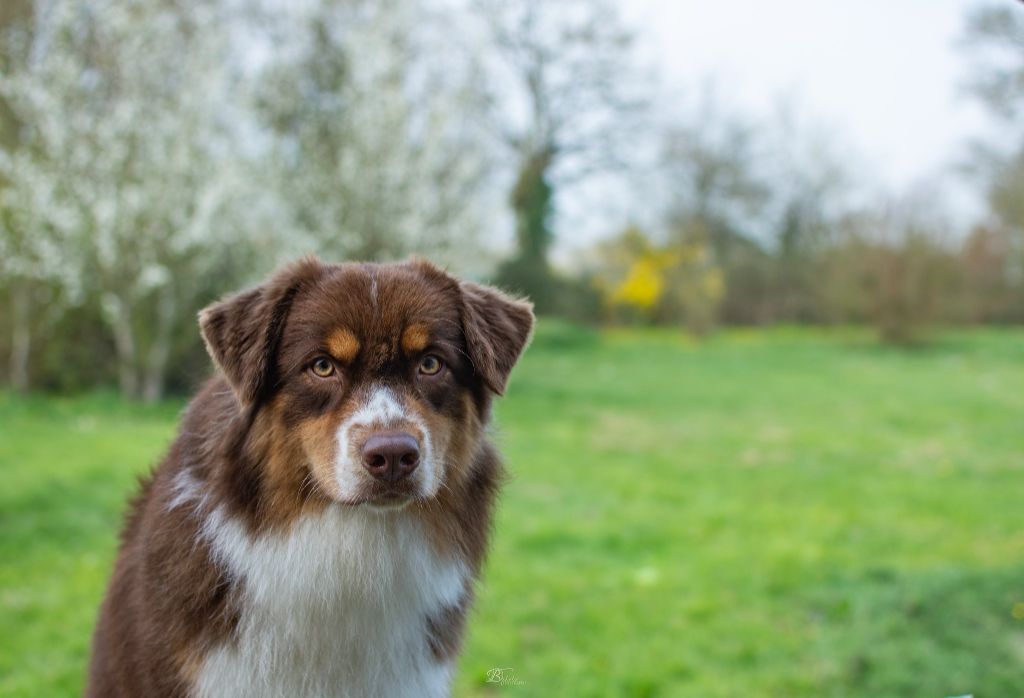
column 497, row 330
column 242, row 331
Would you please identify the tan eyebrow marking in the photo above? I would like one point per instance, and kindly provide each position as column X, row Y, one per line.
column 415, row 338
column 343, row 345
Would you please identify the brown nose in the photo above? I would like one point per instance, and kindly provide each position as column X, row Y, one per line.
column 391, row 456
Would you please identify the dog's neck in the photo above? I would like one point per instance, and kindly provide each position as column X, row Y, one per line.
column 345, row 598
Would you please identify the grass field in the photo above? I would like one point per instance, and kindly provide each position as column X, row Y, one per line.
column 768, row 513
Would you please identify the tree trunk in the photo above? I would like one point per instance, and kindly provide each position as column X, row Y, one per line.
column 119, row 316
column 21, row 339
column 160, row 350
column 532, row 200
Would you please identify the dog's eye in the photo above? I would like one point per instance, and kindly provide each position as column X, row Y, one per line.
column 322, row 367
column 430, row 365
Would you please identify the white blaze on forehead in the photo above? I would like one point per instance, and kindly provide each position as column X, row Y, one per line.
column 383, row 409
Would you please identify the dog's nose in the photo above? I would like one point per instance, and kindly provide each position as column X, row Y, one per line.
column 391, row 456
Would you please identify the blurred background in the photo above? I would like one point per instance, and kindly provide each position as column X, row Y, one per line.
column 769, row 438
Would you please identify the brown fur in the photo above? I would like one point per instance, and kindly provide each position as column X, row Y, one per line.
column 445, row 631
column 258, row 439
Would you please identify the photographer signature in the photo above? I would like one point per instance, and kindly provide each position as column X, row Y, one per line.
column 504, row 677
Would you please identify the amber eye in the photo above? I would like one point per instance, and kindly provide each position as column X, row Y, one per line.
column 322, row 367
column 430, row 365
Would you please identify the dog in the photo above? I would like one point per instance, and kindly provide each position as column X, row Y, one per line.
column 317, row 526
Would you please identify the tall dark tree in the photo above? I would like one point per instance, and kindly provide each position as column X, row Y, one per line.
column 566, row 116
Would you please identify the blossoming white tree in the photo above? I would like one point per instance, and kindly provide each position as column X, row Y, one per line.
column 166, row 152
column 372, row 148
column 122, row 170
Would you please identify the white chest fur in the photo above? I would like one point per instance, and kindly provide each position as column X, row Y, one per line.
column 337, row 607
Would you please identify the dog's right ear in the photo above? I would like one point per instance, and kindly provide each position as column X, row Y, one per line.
column 242, row 331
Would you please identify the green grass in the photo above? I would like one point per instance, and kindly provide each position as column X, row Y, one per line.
column 768, row 513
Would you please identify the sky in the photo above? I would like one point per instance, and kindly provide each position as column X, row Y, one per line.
column 886, row 76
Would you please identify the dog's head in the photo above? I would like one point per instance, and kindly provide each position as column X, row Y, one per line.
column 366, row 383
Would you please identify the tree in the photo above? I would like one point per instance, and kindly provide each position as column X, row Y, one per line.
column 123, row 168
column 988, row 284
column 564, row 112
column 33, row 263
column 16, row 19
column 809, row 194
column 994, row 42
column 893, row 267
column 715, row 192
column 371, row 151
column 668, row 282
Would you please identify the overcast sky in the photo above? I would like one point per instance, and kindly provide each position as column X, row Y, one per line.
column 886, row 73
column 886, row 76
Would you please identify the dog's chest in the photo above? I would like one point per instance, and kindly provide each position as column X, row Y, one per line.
column 338, row 607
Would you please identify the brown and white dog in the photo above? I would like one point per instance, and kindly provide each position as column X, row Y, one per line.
column 318, row 524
